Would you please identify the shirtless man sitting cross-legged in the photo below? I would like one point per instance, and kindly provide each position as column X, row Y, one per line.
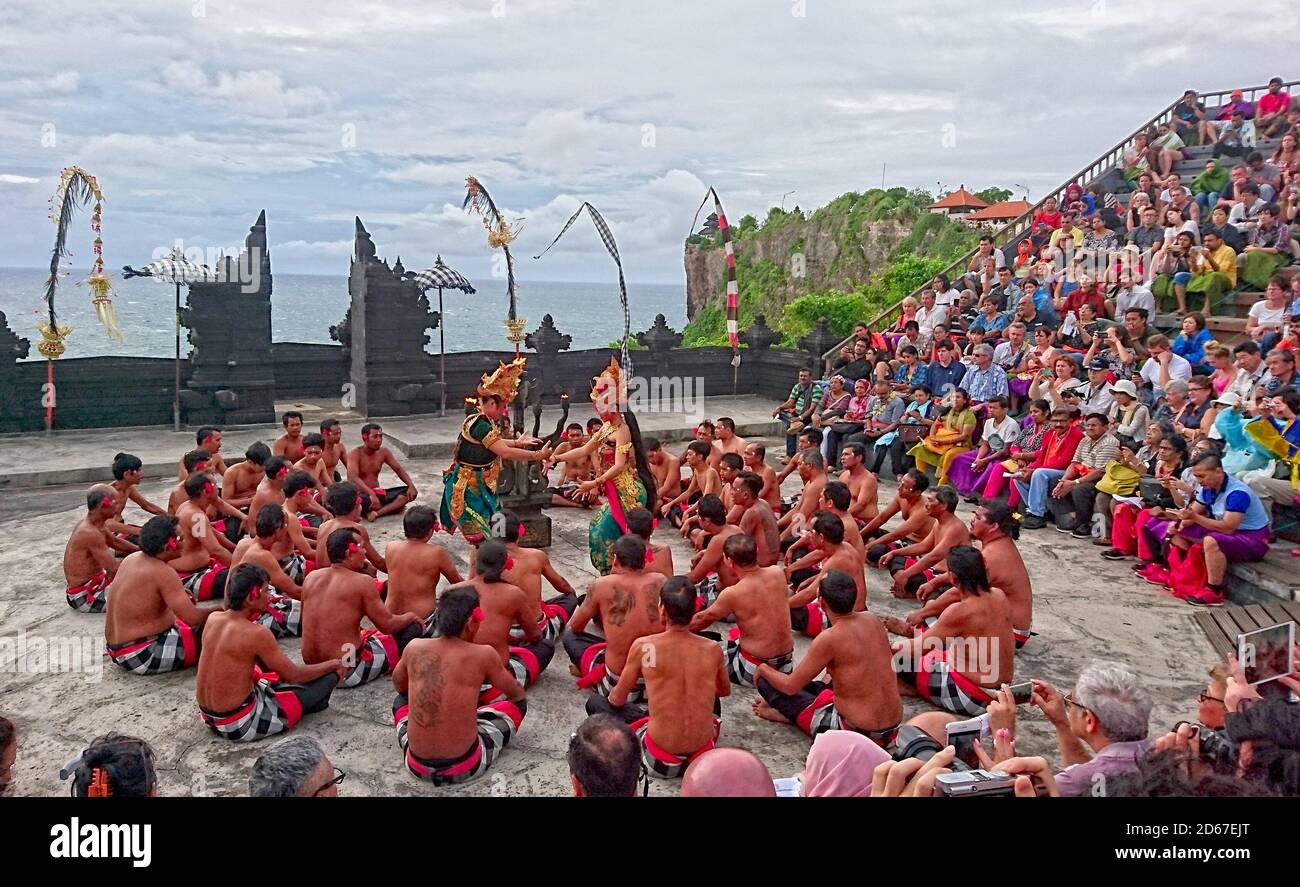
column 202, row 560
column 344, row 500
column 759, row 602
column 127, row 472
column 526, row 568
column 757, row 518
column 709, row 571
column 862, row 483
column 239, row 483
column 573, row 472
column 415, row 564
column 833, row 553
column 756, row 461
column 913, row 565
column 335, row 599
column 289, row 445
column 659, row 556
column 246, row 687
column 627, row 602
column 447, row 735
column 88, row 562
column 151, row 624
column 854, row 651
column 282, row 612
column 906, row 503
column 364, row 463
column 684, row 677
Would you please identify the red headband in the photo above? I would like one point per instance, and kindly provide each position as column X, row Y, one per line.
column 478, row 613
column 209, row 488
column 171, row 544
column 353, row 547
column 107, row 500
column 510, row 564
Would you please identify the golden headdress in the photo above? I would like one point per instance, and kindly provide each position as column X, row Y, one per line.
column 503, row 382
column 609, row 391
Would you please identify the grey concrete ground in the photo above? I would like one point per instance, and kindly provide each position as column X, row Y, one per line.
column 1085, row 608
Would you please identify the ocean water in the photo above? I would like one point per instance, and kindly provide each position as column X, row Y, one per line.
column 304, row 306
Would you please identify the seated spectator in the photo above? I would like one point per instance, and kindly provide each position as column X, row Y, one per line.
column 605, row 759
column 1196, row 418
column 1278, row 425
column 859, row 363
column 1272, row 106
column 798, row 408
column 1208, row 185
column 1069, row 229
column 1226, row 231
column 1226, row 523
column 985, row 380
column 944, row 292
column 945, row 372
column 841, row 764
column 1009, row 353
column 1286, row 158
column 1001, row 433
column 1264, row 174
column 1214, row 270
column 1135, row 324
column 884, row 412
column 1049, row 215
column 1098, row 243
column 1089, row 291
column 1166, row 149
column 918, row 417
column 1025, row 260
column 1268, row 247
column 1055, row 386
column 911, row 336
column 1161, row 460
column 1223, row 372
column 1187, row 117
column 1101, row 726
column 1073, row 498
column 948, row 437
column 1139, row 201
column 727, row 773
column 1077, row 333
column 911, row 372
column 1172, row 402
column 1129, row 416
column 294, row 768
column 1235, row 136
column 1130, row 294
column 1246, row 210
column 851, row 422
column 991, row 319
column 1003, row 291
column 1192, row 339
column 113, row 766
column 1039, row 477
column 1028, row 314
column 1117, row 350
column 1163, row 365
column 906, row 313
column 1034, row 428
column 834, row 403
column 1172, row 265
column 1137, row 156
column 1267, row 318
column 1281, row 372
column 1242, row 453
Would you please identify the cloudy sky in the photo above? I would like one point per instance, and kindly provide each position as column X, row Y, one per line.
column 195, row 114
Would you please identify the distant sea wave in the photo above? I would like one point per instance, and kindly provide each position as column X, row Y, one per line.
column 304, row 306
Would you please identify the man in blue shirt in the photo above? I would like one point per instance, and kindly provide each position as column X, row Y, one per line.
column 986, row 381
column 946, row 371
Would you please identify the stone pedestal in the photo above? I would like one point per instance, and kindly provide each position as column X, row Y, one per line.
column 522, row 486
column 232, row 378
column 384, row 332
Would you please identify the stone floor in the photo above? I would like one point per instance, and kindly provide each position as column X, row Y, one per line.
column 1086, row 608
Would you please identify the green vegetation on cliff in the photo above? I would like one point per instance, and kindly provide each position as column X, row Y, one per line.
column 793, row 298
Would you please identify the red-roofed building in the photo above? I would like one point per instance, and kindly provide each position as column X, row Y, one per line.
column 1000, row 213
column 959, row 204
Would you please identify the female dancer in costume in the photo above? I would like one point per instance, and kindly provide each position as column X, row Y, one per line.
column 625, row 475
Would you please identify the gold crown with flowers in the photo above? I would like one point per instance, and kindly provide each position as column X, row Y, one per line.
column 610, row 388
column 503, row 382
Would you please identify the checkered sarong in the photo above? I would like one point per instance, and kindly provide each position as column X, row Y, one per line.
column 662, row 763
column 283, row 616
column 809, row 620
column 498, row 722
column 822, row 715
column 90, row 596
column 943, row 686
column 376, row 657
column 741, row 666
column 206, row 584
column 295, row 567
column 597, row 676
column 172, row 650
column 265, row 713
column 555, row 616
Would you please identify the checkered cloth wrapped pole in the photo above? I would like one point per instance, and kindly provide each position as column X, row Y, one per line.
column 733, row 293
column 608, row 238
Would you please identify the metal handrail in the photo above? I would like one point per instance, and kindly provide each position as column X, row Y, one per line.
column 1012, row 230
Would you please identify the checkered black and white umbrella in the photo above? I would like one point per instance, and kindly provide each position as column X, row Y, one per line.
column 439, row 276
column 175, row 268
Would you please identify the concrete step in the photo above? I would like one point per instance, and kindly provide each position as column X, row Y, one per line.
column 1274, row 578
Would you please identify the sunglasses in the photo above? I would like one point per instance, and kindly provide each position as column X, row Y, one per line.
column 339, row 776
column 1206, row 697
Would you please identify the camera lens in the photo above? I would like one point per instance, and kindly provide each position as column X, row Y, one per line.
column 913, row 742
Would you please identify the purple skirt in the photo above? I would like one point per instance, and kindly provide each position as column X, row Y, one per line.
column 1019, row 387
column 960, row 474
column 1243, row 545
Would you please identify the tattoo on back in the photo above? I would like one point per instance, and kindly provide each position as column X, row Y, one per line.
column 429, row 676
column 623, row 602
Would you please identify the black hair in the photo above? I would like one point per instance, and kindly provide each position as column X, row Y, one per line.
column 710, row 508
column 837, row 494
column 127, row 764
column 258, row 453
column 814, row 435
column 605, row 757
column 732, row 461
column 314, row 439
column 759, row 450
column 1272, row 727
column 296, row 481
column 572, row 425
column 491, row 560
column 699, row 448
column 1001, row 516
column 652, row 444
column 124, row 462
column 857, row 449
column 512, row 526
column 1209, row 460
column 326, row 424
column 270, row 518
column 727, row 422
column 242, row 581
column 369, row 427
column 751, row 482
column 839, row 592
column 828, row 525
column 195, row 483
column 341, row 498
column 948, row 496
column 630, row 551
column 967, row 567
column 920, row 480
column 204, row 432
column 275, row 465
column 454, row 609
column 641, row 522
column 194, row 457
column 418, row 521
column 594, row 423
column 292, row 414
column 338, row 543
column 742, row 549
column 678, row 597
column 156, row 532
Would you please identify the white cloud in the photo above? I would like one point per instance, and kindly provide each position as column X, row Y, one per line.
column 892, row 103
column 260, row 93
column 62, row 83
column 11, row 179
